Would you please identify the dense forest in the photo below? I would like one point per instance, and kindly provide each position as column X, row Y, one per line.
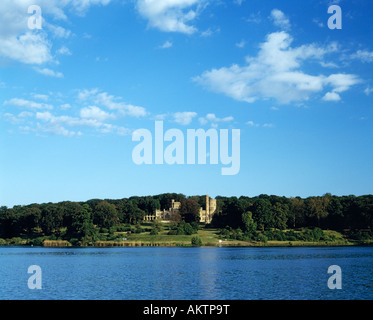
column 245, row 216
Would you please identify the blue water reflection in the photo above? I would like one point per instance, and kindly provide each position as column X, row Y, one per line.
column 186, row 273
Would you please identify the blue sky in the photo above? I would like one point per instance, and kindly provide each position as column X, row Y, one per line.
column 72, row 94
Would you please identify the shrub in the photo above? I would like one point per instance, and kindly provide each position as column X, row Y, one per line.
column 317, row 234
column 154, row 232
column 37, row 241
column 195, row 226
column 180, row 230
column 225, row 233
column 75, row 242
column 17, row 241
column 262, row 238
column 359, row 235
column 196, row 241
column 122, row 228
column 188, row 229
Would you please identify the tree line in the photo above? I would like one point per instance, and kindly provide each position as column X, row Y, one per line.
column 82, row 220
column 269, row 211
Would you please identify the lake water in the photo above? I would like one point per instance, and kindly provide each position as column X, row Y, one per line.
column 186, row 273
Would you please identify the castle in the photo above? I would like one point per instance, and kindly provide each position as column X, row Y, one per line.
column 166, row 215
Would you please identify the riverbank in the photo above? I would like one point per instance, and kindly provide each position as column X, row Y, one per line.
column 228, row 244
column 207, row 237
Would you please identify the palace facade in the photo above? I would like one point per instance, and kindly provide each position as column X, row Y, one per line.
column 166, row 215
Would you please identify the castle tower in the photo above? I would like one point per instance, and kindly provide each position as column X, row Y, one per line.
column 212, row 209
column 207, row 208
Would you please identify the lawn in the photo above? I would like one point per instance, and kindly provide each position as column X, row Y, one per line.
column 208, row 236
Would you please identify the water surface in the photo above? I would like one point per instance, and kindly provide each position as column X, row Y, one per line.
column 186, row 273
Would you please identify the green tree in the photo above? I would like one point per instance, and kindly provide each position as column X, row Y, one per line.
column 82, row 226
column 105, row 215
column 189, row 210
column 31, row 218
column 233, row 210
column 335, row 213
column 262, row 211
column 131, row 213
column 279, row 215
column 248, row 222
column 51, row 218
column 296, row 212
column 317, row 209
column 157, row 227
column 8, row 223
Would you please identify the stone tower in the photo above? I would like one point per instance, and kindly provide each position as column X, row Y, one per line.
column 207, row 214
column 212, row 209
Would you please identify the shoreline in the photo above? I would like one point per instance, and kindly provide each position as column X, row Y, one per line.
column 113, row 244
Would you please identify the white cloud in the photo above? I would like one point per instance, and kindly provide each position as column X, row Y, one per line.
column 134, row 111
column 111, row 102
column 368, row 91
column 49, row 72
column 363, row 55
column 85, row 94
column 65, row 106
column 184, row 118
column 167, row 44
column 318, row 22
column 331, row 96
column 26, row 46
column 58, row 31
column 95, row 113
column 209, row 32
column 25, row 114
column 241, row 44
column 254, row 18
column 122, row 131
column 211, row 117
column 328, row 64
column 81, row 6
column 64, row 51
column 341, row 81
column 27, row 104
column 67, row 120
column 238, row 2
column 256, row 125
column 171, row 15
column 57, row 129
column 16, row 119
column 280, row 20
column 89, row 117
column 252, row 123
column 275, row 73
column 268, row 125
column 160, row 116
column 43, row 97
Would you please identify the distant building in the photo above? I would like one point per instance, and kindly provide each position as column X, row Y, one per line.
column 205, row 216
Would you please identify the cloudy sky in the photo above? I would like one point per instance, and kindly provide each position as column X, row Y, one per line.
column 73, row 92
